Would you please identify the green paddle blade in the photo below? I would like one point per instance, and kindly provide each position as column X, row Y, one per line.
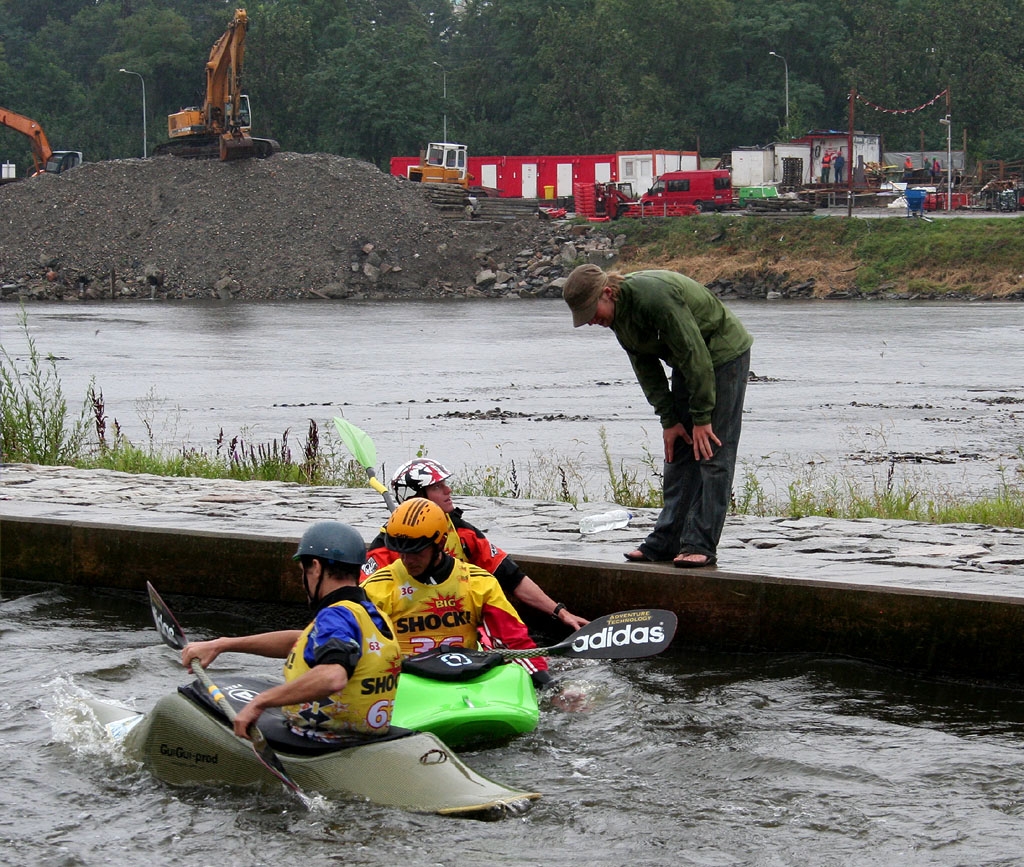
column 358, row 442
column 363, row 450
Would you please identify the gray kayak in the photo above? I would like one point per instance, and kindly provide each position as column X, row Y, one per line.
column 182, row 742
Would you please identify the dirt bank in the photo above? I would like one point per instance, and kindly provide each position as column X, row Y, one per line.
column 296, row 225
column 324, row 226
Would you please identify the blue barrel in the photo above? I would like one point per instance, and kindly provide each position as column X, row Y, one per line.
column 915, row 199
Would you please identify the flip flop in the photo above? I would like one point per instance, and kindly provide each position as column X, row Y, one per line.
column 691, row 564
column 639, row 556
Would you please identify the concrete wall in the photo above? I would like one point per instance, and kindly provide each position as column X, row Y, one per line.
column 928, row 631
column 175, row 561
column 952, row 634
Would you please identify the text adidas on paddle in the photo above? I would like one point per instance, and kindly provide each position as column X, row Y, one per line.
column 619, row 636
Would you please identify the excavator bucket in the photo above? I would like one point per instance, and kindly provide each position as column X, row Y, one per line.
column 237, row 146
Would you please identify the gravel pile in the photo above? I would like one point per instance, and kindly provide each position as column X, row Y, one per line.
column 293, row 226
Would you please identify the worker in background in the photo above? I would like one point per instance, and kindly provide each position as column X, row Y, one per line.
column 348, row 645
column 838, row 164
column 826, row 165
column 908, row 169
column 435, row 600
column 426, row 478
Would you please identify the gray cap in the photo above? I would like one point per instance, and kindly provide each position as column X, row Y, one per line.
column 582, row 291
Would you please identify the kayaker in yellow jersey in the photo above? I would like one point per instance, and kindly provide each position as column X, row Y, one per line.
column 342, row 670
column 435, row 600
column 423, row 477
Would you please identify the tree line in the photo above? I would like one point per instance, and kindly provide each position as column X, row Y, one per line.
column 372, row 79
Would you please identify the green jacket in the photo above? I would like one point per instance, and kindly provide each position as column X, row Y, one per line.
column 665, row 316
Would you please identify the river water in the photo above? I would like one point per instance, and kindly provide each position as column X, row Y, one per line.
column 844, row 391
column 687, row 759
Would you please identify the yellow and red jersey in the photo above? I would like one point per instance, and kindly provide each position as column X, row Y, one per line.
column 464, row 542
column 465, row 602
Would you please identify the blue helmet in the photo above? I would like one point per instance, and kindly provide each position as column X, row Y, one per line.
column 332, row 541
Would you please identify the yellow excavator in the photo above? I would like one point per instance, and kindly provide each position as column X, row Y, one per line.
column 220, row 127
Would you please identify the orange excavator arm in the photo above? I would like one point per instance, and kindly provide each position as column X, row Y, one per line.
column 223, row 74
column 41, row 150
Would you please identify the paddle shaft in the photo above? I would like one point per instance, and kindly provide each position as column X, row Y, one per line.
column 532, row 652
column 376, row 484
column 174, row 636
column 218, row 696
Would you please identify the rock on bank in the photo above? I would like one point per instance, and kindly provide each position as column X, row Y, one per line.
column 294, row 226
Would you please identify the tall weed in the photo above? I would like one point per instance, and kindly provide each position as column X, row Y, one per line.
column 36, row 425
column 636, row 486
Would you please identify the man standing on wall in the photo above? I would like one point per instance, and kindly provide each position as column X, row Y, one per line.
column 662, row 316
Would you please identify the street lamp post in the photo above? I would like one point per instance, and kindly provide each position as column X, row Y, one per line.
column 444, row 99
column 783, row 59
column 947, row 122
column 139, row 74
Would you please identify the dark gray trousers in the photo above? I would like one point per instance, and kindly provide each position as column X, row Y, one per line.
column 698, row 493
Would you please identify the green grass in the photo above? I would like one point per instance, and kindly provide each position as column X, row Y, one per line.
column 37, row 427
column 976, row 256
column 839, row 495
column 541, row 477
column 832, row 494
column 235, row 458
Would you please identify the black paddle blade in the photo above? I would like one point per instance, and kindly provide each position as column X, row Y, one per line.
column 622, row 635
column 172, row 634
column 269, row 759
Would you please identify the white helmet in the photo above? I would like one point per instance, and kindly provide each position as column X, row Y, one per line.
column 413, row 477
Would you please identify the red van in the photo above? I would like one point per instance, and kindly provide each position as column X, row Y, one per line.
column 705, row 190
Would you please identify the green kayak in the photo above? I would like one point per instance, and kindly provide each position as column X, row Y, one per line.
column 487, row 708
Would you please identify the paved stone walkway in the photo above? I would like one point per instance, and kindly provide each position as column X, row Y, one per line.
column 961, row 558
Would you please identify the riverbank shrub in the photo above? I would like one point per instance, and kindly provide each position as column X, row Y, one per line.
column 37, row 427
column 836, row 494
column 234, row 458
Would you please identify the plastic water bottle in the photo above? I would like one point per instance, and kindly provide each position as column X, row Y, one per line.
column 616, row 519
